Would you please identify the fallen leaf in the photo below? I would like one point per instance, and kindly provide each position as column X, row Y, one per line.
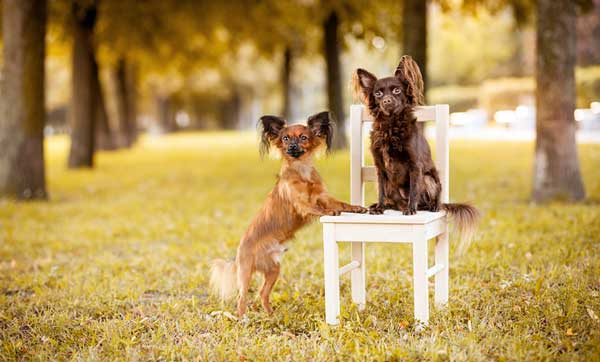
column 289, row 334
column 570, row 332
column 224, row 314
column 592, row 314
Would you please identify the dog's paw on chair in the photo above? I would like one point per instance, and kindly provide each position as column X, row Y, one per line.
column 359, row 210
column 376, row 209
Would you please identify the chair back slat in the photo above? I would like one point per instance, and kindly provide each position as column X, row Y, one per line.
column 423, row 113
column 361, row 120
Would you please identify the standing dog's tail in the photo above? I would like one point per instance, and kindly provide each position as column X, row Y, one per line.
column 466, row 218
column 223, row 278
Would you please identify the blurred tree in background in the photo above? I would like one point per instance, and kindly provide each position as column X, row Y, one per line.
column 556, row 169
column 162, row 65
column 22, row 112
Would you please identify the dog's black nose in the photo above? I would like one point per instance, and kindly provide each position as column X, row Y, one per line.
column 387, row 101
column 293, row 147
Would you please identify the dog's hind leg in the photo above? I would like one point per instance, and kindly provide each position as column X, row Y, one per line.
column 430, row 197
column 270, row 279
column 244, row 278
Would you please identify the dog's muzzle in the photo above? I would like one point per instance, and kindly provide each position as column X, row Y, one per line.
column 388, row 105
column 295, row 151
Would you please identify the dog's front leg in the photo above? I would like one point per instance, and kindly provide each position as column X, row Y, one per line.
column 415, row 176
column 379, row 207
column 337, row 206
column 306, row 208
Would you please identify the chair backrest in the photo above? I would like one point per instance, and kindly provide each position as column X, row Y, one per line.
column 360, row 174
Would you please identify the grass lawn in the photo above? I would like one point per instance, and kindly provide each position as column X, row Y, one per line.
column 115, row 266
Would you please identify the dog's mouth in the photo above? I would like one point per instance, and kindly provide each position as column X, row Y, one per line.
column 388, row 109
column 295, row 153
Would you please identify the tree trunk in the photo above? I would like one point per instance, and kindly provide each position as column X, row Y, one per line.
column 331, row 49
column 286, row 83
column 132, row 81
column 125, row 101
column 556, row 171
column 231, row 109
column 165, row 114
column 104, row 135
column 83, row 99
column 22, row 173
column 588, row 36
column 414, row 33
column 414, row 38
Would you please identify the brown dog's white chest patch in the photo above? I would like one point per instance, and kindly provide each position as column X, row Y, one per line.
column 305, row 171
column 276, row 252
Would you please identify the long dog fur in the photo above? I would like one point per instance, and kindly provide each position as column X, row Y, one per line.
column 299, row 196
column 406, row 175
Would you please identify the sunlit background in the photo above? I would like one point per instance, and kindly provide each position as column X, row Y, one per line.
column 191, row 66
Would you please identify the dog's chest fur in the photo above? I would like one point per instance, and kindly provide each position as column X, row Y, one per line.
column 390, row 140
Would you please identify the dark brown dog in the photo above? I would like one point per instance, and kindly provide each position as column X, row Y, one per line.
column 407, row 178
column 298, row 198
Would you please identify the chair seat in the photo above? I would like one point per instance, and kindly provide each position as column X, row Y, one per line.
column 388, row 217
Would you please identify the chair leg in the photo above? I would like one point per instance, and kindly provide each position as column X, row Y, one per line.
column 421, row 297
column 441, row 257
column 357, row 276
column 332, row 275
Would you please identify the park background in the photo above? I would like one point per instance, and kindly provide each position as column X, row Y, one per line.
column 129, row 160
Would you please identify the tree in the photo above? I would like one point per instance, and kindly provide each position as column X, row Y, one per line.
column 331, row 50
column 125, row 97
column 286, row 83
column 414, row 33
column 104, row 138
column 22, row 173
column 556, row 166
column 556, row 170
column 84, row 93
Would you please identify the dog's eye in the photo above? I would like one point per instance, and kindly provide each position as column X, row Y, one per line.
column 378, row 94
column 303, row 138
column 286, row 138
column 397, row 91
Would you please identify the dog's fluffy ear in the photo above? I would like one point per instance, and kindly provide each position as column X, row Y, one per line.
column 408, row 71
column 321, row 125
column 269, row 128
column 362, row 85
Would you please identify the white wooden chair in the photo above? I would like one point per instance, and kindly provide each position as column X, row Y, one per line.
column 392, row 226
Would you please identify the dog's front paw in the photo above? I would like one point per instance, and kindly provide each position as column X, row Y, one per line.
column 360, row 210
column 376, row 209
column 410, row 210
column 333, row 212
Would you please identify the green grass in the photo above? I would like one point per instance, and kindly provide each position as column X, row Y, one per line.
column 114, row 267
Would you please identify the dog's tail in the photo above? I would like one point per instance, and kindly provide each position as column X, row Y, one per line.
column 465, row 218
column 223, row 278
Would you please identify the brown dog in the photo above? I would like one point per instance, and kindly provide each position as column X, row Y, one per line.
column 406, row 175
column 298, row 198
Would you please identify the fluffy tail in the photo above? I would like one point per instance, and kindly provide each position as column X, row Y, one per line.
column 465, row 218
column 223, row 278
